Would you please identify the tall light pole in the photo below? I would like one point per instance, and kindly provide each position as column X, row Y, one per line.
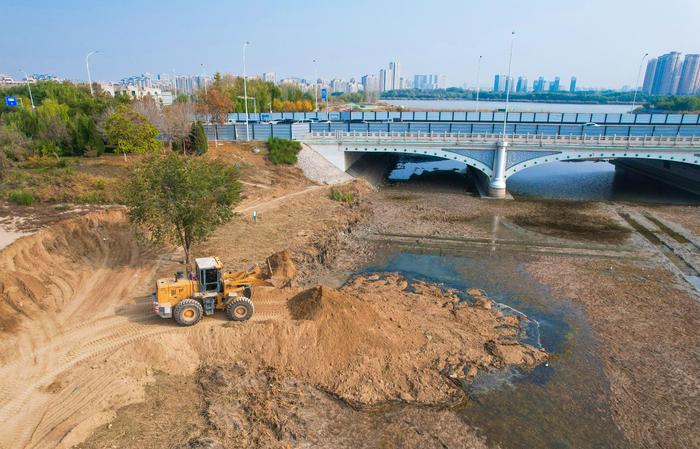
column 245, row 92
column 478, row 89
column 497, row 185
column 87, row 64
column 31, row 98
column 315, row 86
column 508, row 83
column 636, row 84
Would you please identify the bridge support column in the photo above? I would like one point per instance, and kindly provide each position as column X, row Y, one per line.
column 497, row 186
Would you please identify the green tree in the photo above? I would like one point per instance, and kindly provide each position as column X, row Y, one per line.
column 198, row 138
column 130, row 132
column 282, row 151
column 181, row 200
column 86, row 139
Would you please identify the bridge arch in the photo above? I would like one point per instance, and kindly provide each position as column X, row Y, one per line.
column 451, row 154
column 693, row 159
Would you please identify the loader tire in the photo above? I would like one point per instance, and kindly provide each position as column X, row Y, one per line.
column 240, row 309
column 188, row 312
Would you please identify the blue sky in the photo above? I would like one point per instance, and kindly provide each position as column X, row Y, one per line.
column 600, row 41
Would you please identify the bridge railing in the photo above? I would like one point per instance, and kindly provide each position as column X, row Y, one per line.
column 521, row 139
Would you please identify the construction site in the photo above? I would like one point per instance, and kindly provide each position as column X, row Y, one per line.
column 412, row 316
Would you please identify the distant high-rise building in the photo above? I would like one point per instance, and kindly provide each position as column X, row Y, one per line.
column 420, row 81
column 554, row 85
column 499, row 83
column 539, row 85
column 269, row 77
column 522, row 85
column 382, row 80
column 509, row 87
column 649, row 76
column 393, row 76
column 572, row 84
column 667, row 74
column 689, row 81
column 370, row 83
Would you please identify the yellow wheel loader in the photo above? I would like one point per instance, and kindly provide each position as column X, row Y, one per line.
column 187, row 298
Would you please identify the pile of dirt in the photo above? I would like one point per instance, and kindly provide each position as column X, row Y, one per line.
column 280, row 267
column 376, row 340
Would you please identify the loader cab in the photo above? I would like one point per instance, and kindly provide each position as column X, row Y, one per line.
column 208, row 272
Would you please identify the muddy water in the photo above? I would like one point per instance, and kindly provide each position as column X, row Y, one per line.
column 560, row 405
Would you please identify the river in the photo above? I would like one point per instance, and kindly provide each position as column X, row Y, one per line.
column 514, row 106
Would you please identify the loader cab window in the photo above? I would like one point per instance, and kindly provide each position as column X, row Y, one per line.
column 209, row 279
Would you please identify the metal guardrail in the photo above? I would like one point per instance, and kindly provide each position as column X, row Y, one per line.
column 525, row 139
column 542, row 118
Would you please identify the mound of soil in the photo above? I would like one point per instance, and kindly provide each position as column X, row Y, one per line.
column 376, row 340
column 281, row 267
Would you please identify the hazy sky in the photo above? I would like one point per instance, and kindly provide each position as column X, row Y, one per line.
column 599, row 41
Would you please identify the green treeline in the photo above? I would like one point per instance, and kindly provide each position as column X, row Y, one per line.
column 455, row 93
column 674, row 104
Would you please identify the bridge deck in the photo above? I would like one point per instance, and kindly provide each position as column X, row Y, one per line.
column 675, row 143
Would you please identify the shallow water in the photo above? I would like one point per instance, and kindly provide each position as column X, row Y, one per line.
column 559, row 405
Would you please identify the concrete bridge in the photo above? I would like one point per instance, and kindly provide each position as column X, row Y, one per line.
column 496, row 157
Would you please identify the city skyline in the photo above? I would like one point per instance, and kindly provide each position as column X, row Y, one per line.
column 181, row 37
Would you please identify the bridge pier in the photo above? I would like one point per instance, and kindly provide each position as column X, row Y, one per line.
column 497, row 185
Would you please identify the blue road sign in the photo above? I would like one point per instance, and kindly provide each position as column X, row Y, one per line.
column 324, row 94
column 11, row 101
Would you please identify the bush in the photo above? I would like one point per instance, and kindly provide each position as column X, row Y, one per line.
column 282, row 151
column 21, row 197
column 343, row 197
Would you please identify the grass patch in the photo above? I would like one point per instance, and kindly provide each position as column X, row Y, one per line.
column 21, row 197
column 339, row 195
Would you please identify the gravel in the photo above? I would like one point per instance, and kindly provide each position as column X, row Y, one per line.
column 319, row 169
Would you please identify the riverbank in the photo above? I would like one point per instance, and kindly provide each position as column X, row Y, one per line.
column 448, row 355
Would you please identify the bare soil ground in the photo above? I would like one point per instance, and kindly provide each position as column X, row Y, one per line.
column 87, row 365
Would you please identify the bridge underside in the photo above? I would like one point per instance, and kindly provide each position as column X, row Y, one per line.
column 665, row 163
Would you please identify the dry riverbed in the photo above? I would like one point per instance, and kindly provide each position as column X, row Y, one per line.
column 374, row 360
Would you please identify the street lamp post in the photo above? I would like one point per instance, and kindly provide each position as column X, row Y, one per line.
column 636, row 84
column 508, row 83
column 478, row 89
column 245, row 92
column 31, row 98
column 315, row 86
column 87, row 64
column 497, row 186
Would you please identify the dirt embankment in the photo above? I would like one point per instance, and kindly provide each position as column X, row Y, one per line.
column 44, row 275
